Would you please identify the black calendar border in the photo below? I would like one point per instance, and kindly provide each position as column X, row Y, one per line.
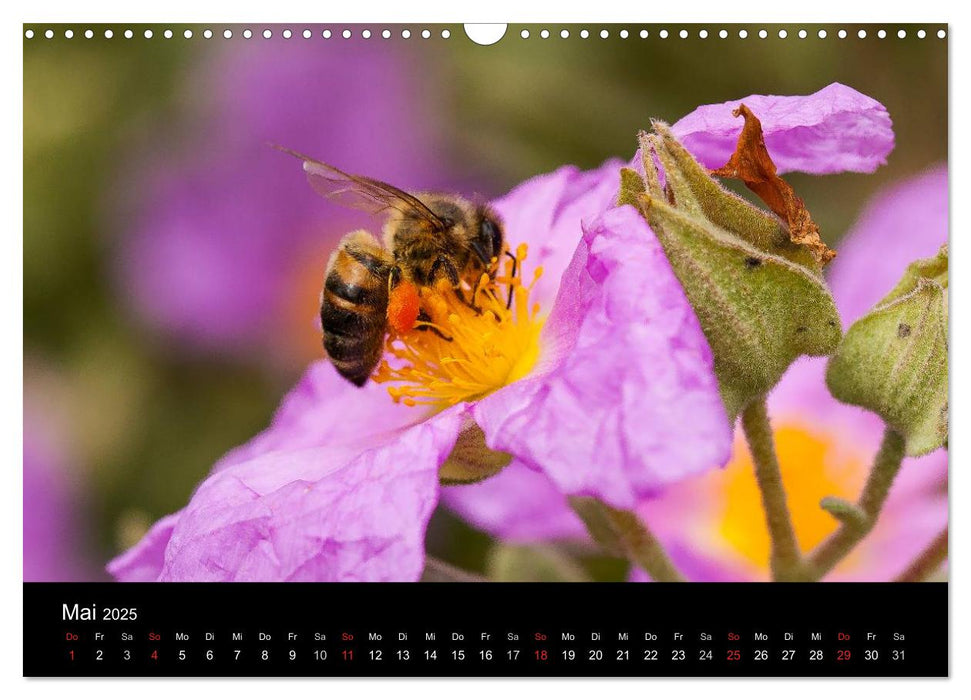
column 917, row 610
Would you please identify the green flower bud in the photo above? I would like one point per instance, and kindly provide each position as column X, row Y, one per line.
column 844, row 511
column 760, row 297
column 893, row 361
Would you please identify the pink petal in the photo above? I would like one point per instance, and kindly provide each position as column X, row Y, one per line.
column 902, row 223
column 519, row 504
column 325, row 409
column 625, row 399
column 545, row 213
column 802, row 396
column 834, row 130
column 911, row 519
column 316, row 514
column 339, row 487
column 144, row 561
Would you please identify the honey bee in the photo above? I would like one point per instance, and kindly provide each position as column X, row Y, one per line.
column 369, row 288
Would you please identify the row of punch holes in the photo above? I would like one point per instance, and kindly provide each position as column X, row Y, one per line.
column 485, row 37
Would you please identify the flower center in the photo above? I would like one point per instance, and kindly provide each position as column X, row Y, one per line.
column 467, row 349
column 811, row 469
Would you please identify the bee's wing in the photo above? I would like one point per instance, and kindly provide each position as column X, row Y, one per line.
column 365, row 192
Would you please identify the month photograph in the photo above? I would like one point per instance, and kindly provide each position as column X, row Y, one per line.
column 585, row 303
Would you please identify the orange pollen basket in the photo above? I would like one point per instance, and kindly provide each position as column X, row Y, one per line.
column 404, row 304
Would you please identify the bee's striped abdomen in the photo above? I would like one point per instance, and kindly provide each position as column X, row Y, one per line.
column 354, row 306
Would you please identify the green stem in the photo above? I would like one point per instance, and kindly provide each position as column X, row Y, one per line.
column 928, row 562
column 786, row 560
column 622, row 533
column 885, row 467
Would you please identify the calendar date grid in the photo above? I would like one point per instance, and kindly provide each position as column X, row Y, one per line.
column 342, row 649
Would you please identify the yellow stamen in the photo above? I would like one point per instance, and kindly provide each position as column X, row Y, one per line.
column 812, row 466
column 464, row 355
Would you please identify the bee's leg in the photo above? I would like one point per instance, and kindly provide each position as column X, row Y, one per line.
column 424, row 323
column 443, row 263
column 515, row 262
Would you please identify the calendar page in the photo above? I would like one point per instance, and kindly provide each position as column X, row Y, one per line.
column 485, row 350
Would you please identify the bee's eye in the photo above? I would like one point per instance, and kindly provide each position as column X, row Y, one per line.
column 489, row 231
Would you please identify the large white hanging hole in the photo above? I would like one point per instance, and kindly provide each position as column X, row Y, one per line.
column 485, row 34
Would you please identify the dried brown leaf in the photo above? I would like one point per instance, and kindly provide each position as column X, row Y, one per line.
column 752, row 164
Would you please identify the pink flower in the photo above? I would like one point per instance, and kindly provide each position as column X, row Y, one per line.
column 620, row 403
column 342, row 485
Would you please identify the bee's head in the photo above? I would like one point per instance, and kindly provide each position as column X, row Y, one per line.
column 487, row 238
